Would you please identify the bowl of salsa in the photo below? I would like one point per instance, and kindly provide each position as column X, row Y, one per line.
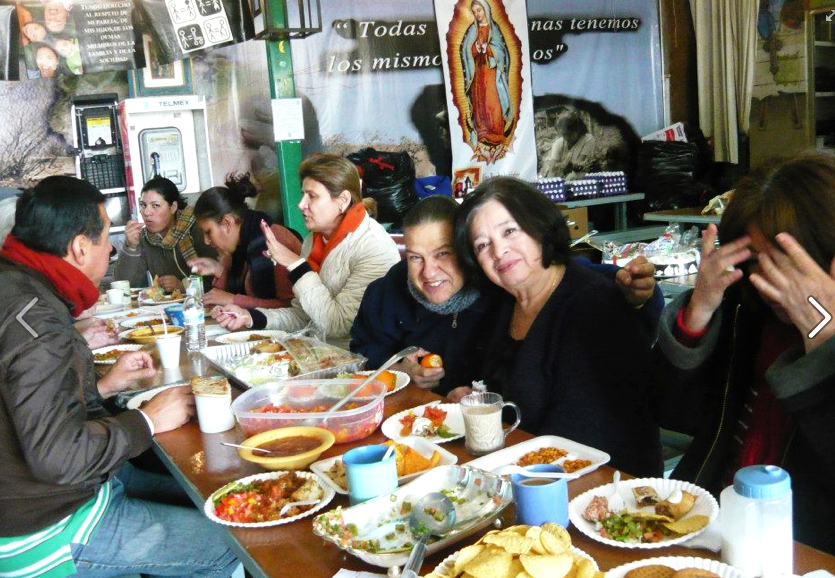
column 305, row 403
column 291, row 448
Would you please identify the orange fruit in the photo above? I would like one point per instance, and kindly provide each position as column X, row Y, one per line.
column 389, row 379
column 432, row 360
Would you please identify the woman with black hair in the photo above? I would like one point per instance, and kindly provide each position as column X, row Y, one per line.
column 566, row 348
column 243, row 275
column 164, row 243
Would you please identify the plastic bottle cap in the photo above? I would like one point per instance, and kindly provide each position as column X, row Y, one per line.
column 762, row 482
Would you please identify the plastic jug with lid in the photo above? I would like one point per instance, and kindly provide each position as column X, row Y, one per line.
column 756, row 521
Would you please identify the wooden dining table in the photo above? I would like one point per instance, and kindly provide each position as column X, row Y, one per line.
column 202, row 465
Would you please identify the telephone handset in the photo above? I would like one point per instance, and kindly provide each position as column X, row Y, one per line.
column 162, row 155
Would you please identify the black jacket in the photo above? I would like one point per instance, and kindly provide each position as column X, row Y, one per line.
column 57, row 444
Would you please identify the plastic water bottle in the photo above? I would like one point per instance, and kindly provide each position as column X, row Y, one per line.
column 195, row 320
column 756, row 522
column 196, row 281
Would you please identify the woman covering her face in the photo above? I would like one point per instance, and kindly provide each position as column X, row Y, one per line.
column 164, row 242
column 740, row 365
column 243, row 275
column 345, row 252
column 566, row 347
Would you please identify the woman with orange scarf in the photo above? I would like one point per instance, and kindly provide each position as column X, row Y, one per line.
column 347, row 251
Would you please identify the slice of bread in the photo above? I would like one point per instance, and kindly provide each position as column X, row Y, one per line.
column 214, row 385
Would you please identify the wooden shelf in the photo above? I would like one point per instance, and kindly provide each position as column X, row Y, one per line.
column 825, row 43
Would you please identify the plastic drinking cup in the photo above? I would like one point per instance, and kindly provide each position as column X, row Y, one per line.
column 540, row 500
column 369, row 475
column 115, row 296
column 214, row 412
column 168, row 347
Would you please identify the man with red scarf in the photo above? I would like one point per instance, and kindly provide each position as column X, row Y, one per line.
column 66, row 490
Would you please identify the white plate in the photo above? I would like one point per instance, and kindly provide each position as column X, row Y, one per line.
column 106, row 308
column 403, row 379
column 209, row 507
column 424, row 448
column 123, row 347
column 161, row 301
column 511, row 455
column 479, row 498
column 679, row 563
column 133, row 322
column 243, row 336
column 705, row 505
column 140, row 398
column 447, row 565
column 454, row 421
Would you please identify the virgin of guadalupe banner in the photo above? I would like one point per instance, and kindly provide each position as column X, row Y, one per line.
column 486, row 65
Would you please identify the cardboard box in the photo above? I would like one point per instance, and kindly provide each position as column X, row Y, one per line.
column 580, row 216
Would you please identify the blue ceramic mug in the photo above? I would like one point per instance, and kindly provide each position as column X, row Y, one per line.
column 175, row 315
column 540, row 500
column 369, row 475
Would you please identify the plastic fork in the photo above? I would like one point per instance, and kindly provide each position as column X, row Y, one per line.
column 615, row 501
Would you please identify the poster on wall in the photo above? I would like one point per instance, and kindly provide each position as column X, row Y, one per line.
column 592, row 61
column 74, row 36
column 199, row 24
column 486, row 66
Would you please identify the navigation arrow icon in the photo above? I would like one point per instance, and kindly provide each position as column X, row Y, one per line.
column 826, row 317
column 830, row 16
column 20, row 315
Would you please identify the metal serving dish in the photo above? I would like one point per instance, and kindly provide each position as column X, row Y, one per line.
column 302, row 358
column 377, row 531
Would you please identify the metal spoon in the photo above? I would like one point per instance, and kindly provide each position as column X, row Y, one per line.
column 432, row 515
column 389, row 362
column 254, row 449
column 151, row 327
column 514, row 469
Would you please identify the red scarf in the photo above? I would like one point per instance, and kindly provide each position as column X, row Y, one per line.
column 70, row 283
column 321, row 249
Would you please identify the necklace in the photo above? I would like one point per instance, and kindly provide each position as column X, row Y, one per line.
column 520, row 323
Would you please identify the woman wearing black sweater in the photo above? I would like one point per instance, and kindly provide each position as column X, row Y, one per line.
column 566, row 347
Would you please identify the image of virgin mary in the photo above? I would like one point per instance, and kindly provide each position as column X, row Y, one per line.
column 485, row 60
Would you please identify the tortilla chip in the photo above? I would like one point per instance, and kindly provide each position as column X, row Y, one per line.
column 688, row 525
column 553, row 566
column 490, row 563
column 561, row 534
column 520, row 529
column 585, row 569
column 511, row 542
column 490, row 533
column 523, row 574
column 465, row 556
column 435, row 459
column 551, row 544
column 650, row 517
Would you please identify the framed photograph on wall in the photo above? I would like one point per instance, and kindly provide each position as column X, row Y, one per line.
column 159, row 78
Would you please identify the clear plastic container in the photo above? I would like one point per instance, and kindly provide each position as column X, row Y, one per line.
column 304, row 402
column 756, row 522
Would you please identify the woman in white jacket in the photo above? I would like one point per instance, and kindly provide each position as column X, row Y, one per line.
column 347, row 251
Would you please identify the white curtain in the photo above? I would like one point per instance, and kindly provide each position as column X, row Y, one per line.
column 726, row 42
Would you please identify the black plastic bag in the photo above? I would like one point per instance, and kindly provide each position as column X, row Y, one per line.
column 667, row 174
column 388, row 178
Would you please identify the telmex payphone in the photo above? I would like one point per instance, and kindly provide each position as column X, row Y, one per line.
column 165, row 136
column 98, row 151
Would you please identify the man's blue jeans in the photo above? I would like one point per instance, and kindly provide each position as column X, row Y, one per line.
column 141, row 536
